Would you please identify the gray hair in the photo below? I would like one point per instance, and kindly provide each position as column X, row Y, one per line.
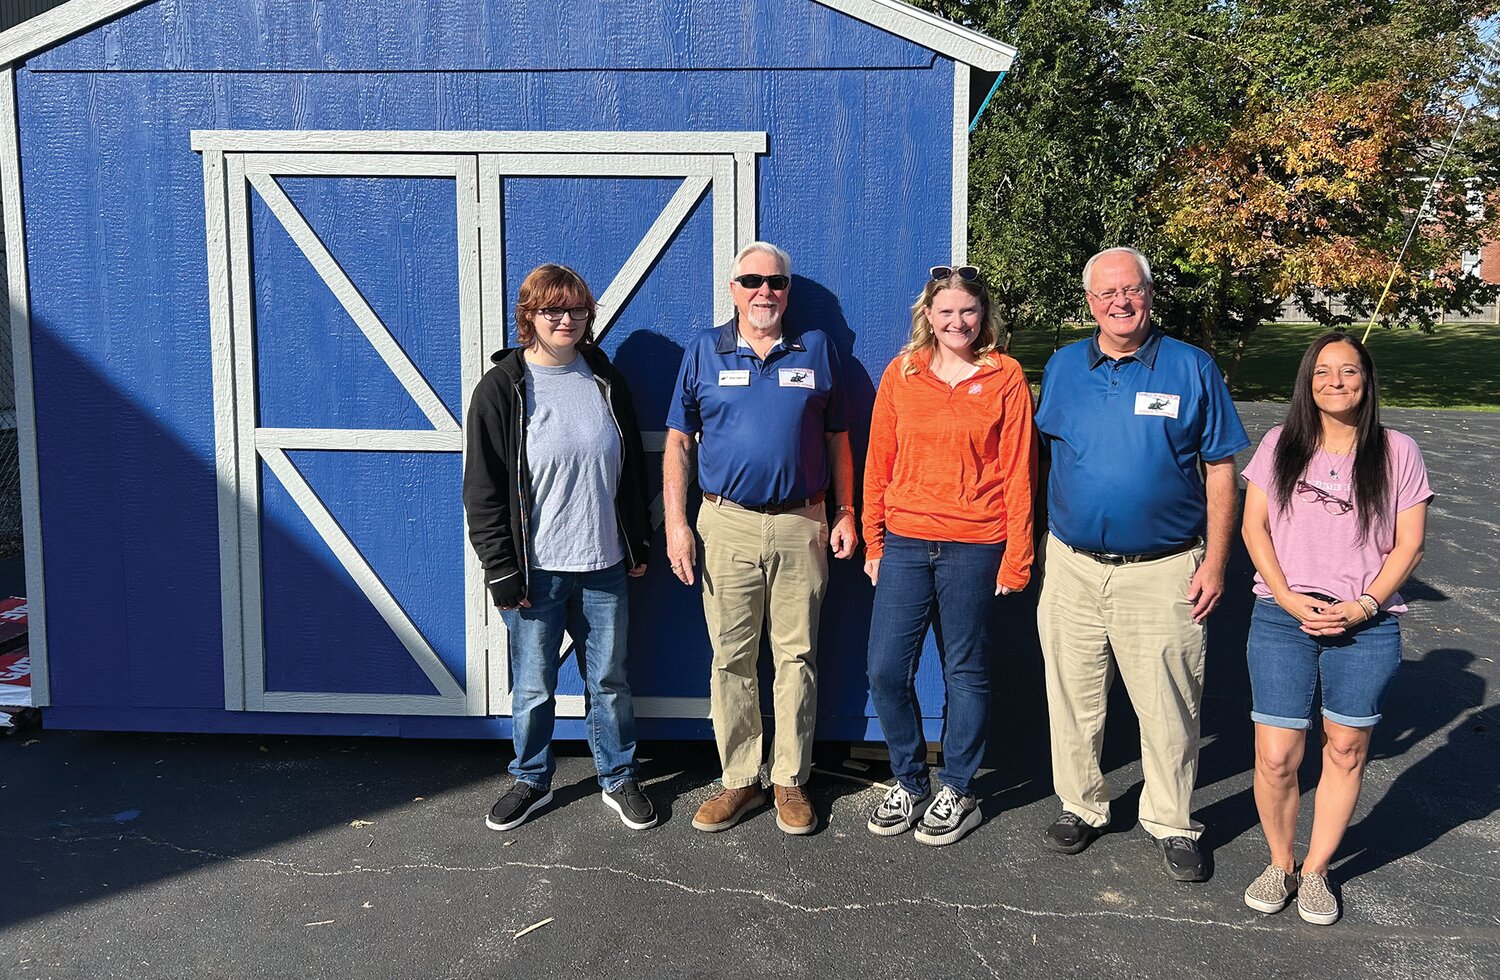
column 783, row 260
column 1140, row 260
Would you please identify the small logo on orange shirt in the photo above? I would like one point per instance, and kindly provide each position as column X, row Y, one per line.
column 975, row 388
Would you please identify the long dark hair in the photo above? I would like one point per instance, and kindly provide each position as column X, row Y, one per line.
column 1303, row 430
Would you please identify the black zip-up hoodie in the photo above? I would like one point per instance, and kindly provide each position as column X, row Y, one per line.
column 496, row 491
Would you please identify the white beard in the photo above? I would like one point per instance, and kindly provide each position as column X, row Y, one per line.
column 762, row 320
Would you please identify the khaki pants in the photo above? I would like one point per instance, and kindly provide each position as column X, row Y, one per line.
column 755, row 565
column 1093, row 618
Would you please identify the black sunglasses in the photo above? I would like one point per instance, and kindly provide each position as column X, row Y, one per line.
column 968, row 273
column 751, row 280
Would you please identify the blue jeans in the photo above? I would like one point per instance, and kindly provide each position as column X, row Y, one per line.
column 951, row 586
column 1287, row 664
column 592, row 607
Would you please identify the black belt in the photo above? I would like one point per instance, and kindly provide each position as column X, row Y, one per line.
column 1110, row 558
column 785, row 507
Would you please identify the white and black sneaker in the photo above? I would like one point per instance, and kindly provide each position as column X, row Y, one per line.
column 949, row 818
column 897, row 813
column 633, row 806
column 518, row 803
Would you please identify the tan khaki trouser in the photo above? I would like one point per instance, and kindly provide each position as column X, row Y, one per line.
column 756, row 565
column 1093, row 618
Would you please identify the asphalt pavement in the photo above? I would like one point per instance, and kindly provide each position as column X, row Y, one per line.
column 170, row 856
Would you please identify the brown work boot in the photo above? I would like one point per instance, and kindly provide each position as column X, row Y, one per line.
column 794, row 811
column 724, row 809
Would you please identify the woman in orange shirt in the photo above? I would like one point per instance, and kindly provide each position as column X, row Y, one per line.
column 949, row 484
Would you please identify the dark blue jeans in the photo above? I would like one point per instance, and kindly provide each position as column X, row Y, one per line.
column 592, row 607
column 952, row 587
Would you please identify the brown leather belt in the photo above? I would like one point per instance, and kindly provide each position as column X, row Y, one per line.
column 785, row 507
column 1109, row 558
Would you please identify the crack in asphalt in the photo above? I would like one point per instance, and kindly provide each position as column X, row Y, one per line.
column 291, row 869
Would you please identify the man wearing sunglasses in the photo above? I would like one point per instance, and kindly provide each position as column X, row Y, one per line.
column 1141, row 504
column 765, row 404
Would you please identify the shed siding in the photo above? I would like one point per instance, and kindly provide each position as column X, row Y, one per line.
column 460, row 35
column 120, row 325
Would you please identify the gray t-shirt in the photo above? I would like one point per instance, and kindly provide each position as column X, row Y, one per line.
column 573, row 457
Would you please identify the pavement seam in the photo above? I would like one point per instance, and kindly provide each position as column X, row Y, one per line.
column 288, row 868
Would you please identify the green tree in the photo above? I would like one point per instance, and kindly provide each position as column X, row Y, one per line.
column 1256, row 149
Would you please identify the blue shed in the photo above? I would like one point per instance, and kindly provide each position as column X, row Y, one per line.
column 259, row 252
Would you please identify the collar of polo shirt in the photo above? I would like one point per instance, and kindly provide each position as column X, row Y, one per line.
column 1146, row 353
column 729, row 338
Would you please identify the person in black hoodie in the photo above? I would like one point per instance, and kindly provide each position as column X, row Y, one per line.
column 555, row 495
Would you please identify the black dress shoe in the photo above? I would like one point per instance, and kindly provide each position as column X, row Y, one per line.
column 1182, row 858
column 1070, row 834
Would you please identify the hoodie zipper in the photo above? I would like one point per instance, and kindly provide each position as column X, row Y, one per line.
column 525, row 556
column 609, row 406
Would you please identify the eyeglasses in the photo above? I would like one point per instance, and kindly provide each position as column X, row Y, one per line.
column 1316, row 495
column 1110, row 295
column 751, row 280
column 555, row 313
column 968, row 273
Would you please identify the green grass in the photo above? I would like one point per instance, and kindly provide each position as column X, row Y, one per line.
column 1453, row 368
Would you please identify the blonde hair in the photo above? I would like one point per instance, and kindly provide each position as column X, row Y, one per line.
column 991, row 330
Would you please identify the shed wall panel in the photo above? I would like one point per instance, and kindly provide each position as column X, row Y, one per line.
column 855, row 185
column 460, row 35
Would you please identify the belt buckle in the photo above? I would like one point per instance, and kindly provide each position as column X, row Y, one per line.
column 1112, row 558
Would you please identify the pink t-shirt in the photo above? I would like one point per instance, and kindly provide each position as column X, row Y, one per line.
column 1320, row 551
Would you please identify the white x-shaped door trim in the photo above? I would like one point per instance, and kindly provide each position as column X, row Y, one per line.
column 237, row 162
column 730, row 178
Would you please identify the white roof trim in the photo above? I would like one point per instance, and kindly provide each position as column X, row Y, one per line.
column 930, row 31
column 62, row 21
column 901, row 19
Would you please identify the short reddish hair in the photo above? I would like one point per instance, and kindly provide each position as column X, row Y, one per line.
column 551, row 285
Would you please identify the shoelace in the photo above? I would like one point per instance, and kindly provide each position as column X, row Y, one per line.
column 725, row 791
column 945, row 804
column 1069, row 817
column 793, row 794
column 897, row 801
column 1186, row 843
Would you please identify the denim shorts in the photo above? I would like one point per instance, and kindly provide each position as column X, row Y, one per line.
column 1286, row 664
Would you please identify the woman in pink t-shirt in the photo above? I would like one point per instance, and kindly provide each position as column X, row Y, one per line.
column 1335, row 516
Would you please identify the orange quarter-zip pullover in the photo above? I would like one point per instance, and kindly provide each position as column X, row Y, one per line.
column 954, row 464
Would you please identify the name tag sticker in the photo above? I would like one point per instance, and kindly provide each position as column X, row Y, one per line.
column 797, row 378
column 1154, row 403
column 734, row 378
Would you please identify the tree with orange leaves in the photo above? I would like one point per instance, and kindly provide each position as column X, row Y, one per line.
column 1255, row 149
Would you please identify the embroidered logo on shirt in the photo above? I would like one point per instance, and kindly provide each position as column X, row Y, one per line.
column 734, row 378
column 975, row 388
column 1154, row 403
column 796, row 378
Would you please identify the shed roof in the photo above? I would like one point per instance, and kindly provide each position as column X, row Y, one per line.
column 901, row 19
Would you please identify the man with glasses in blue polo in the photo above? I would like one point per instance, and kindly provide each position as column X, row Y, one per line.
column 765, row 404
column 1141, row 505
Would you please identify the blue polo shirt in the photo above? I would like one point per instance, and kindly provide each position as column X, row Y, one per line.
column 1126, row 437
column 762, row 421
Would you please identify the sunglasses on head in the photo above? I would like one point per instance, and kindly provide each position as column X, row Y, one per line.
column 751, row 280
column 968, row 273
